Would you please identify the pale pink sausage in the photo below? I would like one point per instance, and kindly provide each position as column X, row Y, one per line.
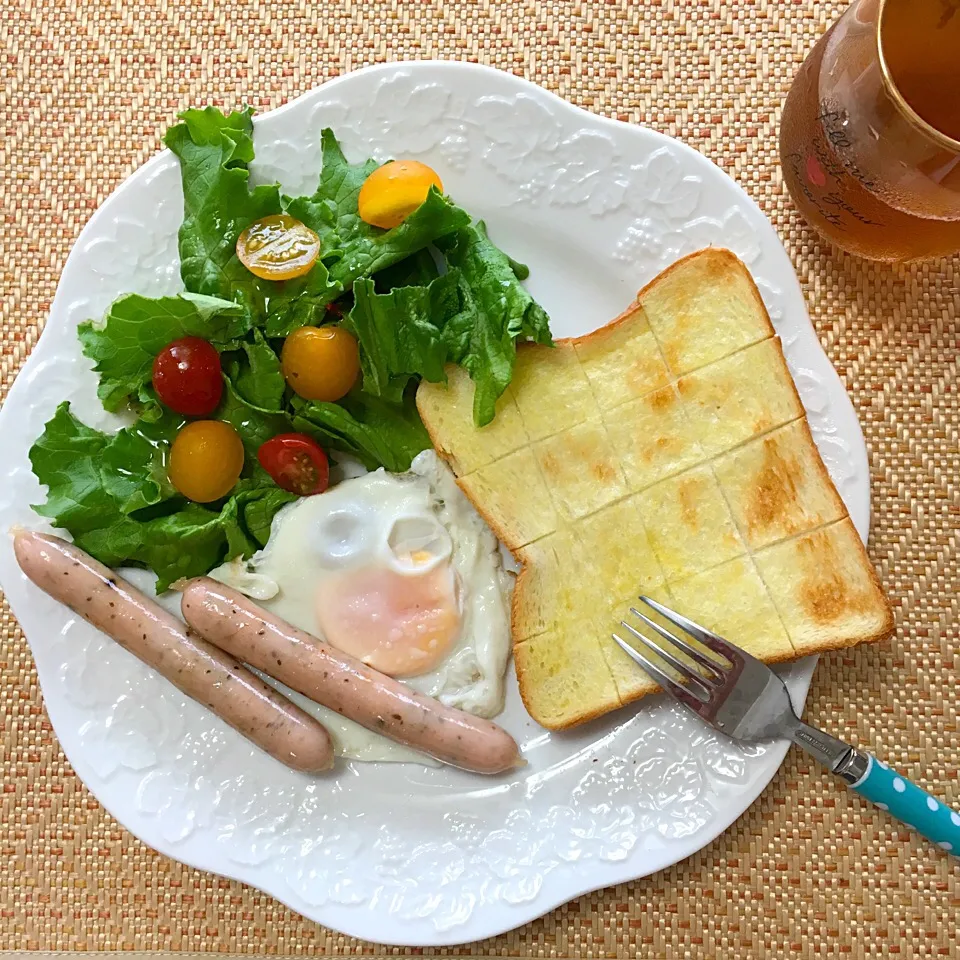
column 159, row 639
column 321, row 672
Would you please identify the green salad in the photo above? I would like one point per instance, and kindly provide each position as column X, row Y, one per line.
column 304, row 320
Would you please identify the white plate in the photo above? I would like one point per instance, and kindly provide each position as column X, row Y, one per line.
column 408, row 855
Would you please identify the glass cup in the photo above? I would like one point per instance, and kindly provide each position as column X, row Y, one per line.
column 870, row 134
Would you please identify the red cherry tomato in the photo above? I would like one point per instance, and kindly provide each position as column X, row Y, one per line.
column 296, row 463
column 187, row 378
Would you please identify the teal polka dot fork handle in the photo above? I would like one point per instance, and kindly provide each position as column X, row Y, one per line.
column 743, row 698
column 904, row 800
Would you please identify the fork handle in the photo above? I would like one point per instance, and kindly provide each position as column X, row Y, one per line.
column 906, row 801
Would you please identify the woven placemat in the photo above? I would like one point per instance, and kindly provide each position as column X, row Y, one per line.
column 87, row 88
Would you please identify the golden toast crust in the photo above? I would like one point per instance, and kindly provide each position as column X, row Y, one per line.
column 666, row 453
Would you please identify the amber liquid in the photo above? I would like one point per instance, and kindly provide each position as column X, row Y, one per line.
column 834, row 196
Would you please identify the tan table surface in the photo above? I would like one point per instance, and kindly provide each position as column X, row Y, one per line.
column 88, row 87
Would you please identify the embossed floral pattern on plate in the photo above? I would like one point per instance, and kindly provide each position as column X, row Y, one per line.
column 410, row 855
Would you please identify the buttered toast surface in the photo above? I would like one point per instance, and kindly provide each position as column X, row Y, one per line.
column 666, row 453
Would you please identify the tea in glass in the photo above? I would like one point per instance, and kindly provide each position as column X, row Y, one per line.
column 870, row 134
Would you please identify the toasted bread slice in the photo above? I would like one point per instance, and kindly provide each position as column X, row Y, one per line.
column 702, row 309
column 690, row 524
column 739, row 397
column 777, row 486
column 581, row 470
column 464, row 446
column 565, row 674
column 626, row 362
column 824, row 590
column 653, row 436
column 511, row 496
column 666, row 453
column 732, row 600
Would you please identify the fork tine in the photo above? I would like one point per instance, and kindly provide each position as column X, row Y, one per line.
column 708, row 638
column 716, row 671
column 685, row 694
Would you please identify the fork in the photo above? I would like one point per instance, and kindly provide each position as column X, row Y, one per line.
column 740, row 696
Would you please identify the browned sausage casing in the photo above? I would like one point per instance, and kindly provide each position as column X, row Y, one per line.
column 328, row 676
column 160, row 640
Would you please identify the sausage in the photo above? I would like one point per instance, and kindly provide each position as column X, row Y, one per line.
column 328, row 676
column 158, row 638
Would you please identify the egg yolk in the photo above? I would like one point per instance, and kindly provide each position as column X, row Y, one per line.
column 401, row 625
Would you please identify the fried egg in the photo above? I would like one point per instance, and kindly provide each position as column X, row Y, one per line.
column 399, row 571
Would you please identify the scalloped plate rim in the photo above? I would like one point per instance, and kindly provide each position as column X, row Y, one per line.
column 518, row 915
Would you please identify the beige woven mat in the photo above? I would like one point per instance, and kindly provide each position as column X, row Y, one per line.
column 88, row 86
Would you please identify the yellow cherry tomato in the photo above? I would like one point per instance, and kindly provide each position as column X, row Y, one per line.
column 320, row 363
column 205, row 460
column 392, row 192
column 278, row 247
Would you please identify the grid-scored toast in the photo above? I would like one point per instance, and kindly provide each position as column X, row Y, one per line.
column 666, row 453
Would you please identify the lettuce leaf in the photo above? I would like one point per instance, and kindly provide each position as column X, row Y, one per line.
column 112, row 495
column 215, row 152
column 362, row 249
column 258, row 506
column 256, row 500
column 366, row 249
column 400, row 333
column 411, row 312
column 255, row 374
column 301, row 302
column 471, row 315
column 133, row 465
column 351, row 248
column 254, row 424
column 376, row 432
column 495, row 312
column 418, row 270
column 136, row 329
column 68, row 457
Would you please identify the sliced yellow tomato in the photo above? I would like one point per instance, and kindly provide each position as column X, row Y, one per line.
column 278, row 247
column 320, row 363
column 392, row 192
column 205, row 460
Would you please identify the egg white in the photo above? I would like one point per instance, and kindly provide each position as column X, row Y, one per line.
column 351, row 525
